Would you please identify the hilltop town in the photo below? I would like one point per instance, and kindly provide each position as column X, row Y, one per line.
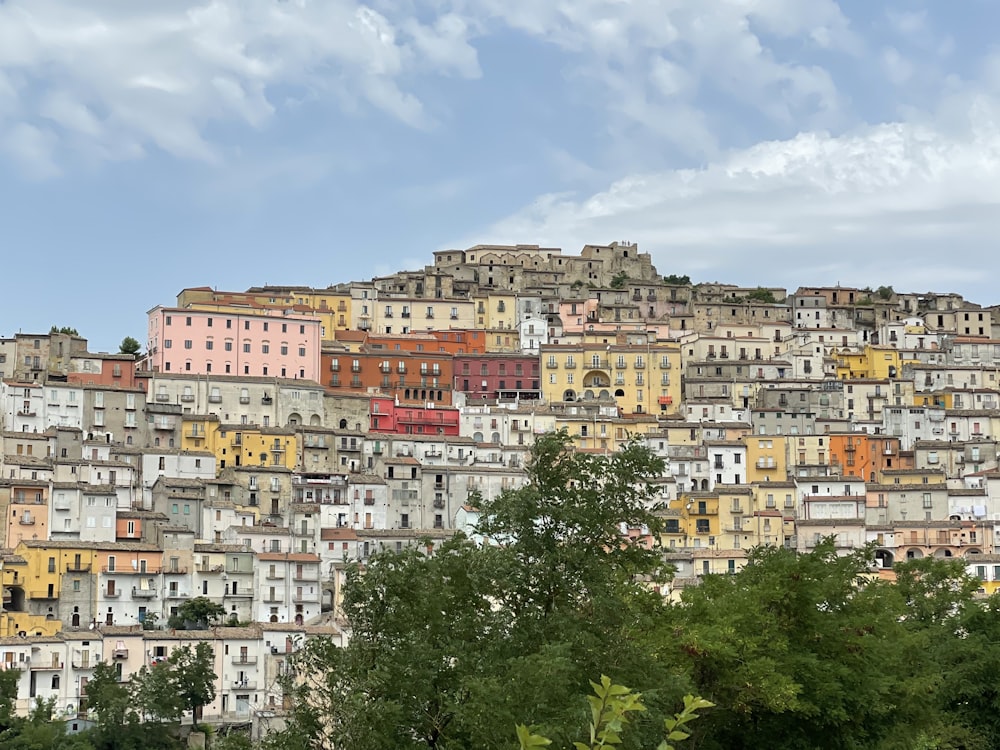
column 266, row 440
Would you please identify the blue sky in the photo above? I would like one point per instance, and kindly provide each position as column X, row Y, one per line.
column 145, row 147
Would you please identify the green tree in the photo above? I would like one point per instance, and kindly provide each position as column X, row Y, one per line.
column 195, row 676
column 196, row 614
column 805, row 651
column 156, row 693
column 9, row 680
column 65, row 329
column 108, row 698
column 675, row 280
column 885, row 292
column 129, row 345
column 438, row 641
column 619, row 280
column 760, row 294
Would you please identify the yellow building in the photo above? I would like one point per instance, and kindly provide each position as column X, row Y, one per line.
column 767, row 458
column 639, row 379
column 807, row 452
column 34, row 578
column 237, row 445
column 874, row 362
column 495, row 310
column 912, row 476
column 594, row 430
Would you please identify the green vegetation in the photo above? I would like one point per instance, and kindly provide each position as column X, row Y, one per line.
column 762, row 295
column 494, row 646
column 619, row 280
column 65, row 329
column 676, row 280
column 885, row 292
column 488, row 647
column 129, row 345
column 196, row 614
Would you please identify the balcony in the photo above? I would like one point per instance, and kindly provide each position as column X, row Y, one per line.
column 119, row 653
column 266, row 400
column 244, row 399
column 163, row 424
column 551, row 364
column 175, row 571
column 570, row 364
column 273, row 599
column 139, row 571
column 306, row 598
column 162, row 397
column 187, row 398
column 80, row 567
column 109, row 594
column 26, row 520
column 42, row 666
column 83, row 663
column 196, row 435
column 304, row 575
column 42, row 594
column 238, row 595
column 244, row 685
column 244, row 659
column 25, row 413
column 215, row 398
column 275, row 575
column 138, row 593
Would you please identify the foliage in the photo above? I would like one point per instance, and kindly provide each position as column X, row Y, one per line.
column 438, row 640
column 675, row 280
column 64, row 329
column 231, row 741
column 195, row 677
column 619, row 280
column 760, row 294
column 610, row 708
column 129, row 345
column 196, row 614
column 108, row 698
column 885, row 292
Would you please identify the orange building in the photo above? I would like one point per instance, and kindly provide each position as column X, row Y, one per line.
column 858, row 454
column 27, row 511
column 115, row 370
column 412, row 377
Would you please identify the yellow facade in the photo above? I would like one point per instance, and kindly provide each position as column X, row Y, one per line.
column 875, row 362
column 912, row 476
column 807, row 451
column 767, row 458
column 495, row 310
column 640, row 379
column 33, row 579
column 502, row 340
column 242, row 444
column 602, row 433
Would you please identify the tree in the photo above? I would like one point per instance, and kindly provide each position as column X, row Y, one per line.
column 196, row 614
column 805, row 651
column 155, row 691
column 438, row 640
column 675, row 280
column 195, row 676
column 9, row 680
column 129, row 345
column 885, row 292
column 108, row 698
column 65, row 329
column 619, row 280
column 760, row 294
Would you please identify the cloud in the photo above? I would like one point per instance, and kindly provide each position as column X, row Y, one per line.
column 157, row 74
column 912, row 202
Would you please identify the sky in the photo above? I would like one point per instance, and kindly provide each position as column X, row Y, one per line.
column 150, row 146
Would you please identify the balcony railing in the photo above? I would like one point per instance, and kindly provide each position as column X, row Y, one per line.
column 80, row 567
column 148, row 570
column 244, row 685
column 244, row 659
column 138, row 593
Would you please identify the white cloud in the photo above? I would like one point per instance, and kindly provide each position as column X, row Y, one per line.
column 157, row 73
column 883, row 203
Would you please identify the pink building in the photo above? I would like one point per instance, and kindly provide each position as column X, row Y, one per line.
column 260, row 344
column 389, row 419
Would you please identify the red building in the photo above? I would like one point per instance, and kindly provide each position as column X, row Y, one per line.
column 388, row 417
column 117, row 370
column 503, row 377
